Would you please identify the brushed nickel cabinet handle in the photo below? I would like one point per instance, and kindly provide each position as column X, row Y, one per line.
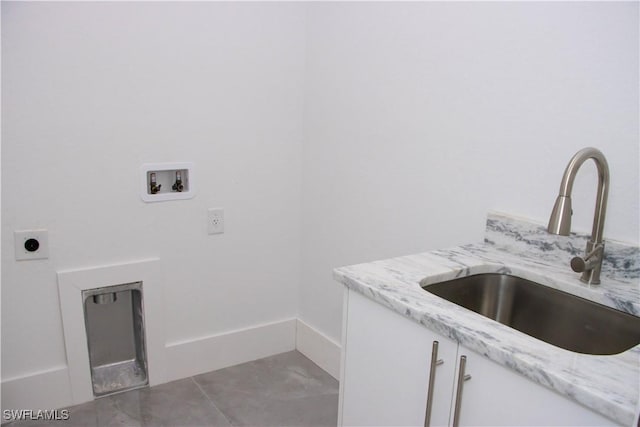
column 462, row 377
column 432, row 377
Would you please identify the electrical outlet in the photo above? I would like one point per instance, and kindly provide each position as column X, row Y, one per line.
column 215, row 221
column 31, row 244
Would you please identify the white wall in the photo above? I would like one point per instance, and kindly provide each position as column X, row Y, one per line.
column 405, row 122
column 423, row 116
column 93, row 90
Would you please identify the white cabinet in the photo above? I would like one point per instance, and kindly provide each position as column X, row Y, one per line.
column 385, row 379
column 386, row 368
column 498, row 396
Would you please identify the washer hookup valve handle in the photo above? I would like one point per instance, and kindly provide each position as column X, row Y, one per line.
column 178, row 186
column 153, row 186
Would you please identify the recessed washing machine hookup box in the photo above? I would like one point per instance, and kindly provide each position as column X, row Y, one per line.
column 167, row 181
column 114, row 319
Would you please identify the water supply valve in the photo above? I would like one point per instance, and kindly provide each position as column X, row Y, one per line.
column 167, row 181
column 153, row 185
column 178, row 186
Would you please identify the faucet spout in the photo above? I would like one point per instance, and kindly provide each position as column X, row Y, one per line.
column 560, row 220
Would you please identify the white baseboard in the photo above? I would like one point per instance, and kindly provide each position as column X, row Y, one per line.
column 322, row 350
column 193, row 357
column 40, row 390
column 51, row 389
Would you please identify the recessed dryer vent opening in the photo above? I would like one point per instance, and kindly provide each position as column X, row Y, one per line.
column 114, row 320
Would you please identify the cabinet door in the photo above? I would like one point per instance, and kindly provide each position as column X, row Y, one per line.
column 497, row 396
column 386, row 368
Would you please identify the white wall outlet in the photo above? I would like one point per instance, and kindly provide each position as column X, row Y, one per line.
column 215, row 221
column 31, row 244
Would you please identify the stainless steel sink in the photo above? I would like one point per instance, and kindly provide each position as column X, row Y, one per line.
column 550, row 315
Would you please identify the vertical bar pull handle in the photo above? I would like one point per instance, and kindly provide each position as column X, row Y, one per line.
column 432, row 377
column 462, row 377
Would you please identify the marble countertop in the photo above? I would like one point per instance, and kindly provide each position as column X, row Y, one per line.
column 609, row 385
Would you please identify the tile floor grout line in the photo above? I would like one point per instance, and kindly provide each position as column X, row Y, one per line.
column 211, row 400
column 314, row 405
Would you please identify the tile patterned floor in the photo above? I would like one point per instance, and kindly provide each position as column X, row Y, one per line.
column 282, row 390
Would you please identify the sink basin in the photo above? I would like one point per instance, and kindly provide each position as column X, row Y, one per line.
column 550, row 315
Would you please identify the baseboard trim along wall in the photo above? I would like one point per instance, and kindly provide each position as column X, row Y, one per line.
column 51, row 389
column 200, row 355
column 48, row 389
column 322, row 350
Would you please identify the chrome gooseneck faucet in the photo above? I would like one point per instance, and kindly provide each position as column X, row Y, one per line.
column 560, row 222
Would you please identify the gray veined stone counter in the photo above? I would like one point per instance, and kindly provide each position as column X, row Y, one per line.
column 609, row 385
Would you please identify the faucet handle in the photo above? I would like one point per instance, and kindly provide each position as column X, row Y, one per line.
column 591, row 259
column 590, row 265
column 579, row 264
